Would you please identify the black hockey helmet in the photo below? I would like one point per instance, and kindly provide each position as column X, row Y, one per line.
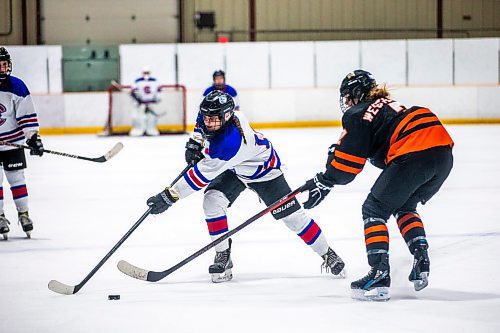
column 222, row 74
column 219, row 104
column 355, row 88
column 5, row 56
column 219, row 72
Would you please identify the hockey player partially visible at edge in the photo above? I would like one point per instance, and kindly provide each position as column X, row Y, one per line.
column 415, row 152
column 18, row 121
column 145, row 92
column 230, row 156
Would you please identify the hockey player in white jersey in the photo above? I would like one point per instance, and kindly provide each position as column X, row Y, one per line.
column 229, row 156
column 145, row 91
column 18, row 121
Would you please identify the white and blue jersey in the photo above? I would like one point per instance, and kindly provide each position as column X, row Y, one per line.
column 18, row 118
column 228, row 90
column 145, row 91
column 255, row 161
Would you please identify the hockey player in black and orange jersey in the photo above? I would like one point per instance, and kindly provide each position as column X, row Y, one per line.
column 415, row 152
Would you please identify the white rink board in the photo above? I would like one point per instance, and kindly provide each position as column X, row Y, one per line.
column 38, row 66
column 197, row 62
column 81, row 209
column 159, row 58
column 292, row 64
column 255, row 71
column 476, row 61
column 386, row 60
column 430, row 62
column 334, row 60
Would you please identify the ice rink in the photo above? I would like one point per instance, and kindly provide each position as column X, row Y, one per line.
column 81, row 209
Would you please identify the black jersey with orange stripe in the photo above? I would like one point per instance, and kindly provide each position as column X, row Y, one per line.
column 380, row 131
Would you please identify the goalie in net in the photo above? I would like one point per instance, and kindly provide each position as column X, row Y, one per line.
column 146, row 108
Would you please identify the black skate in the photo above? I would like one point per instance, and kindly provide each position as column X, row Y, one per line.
column 221, row 268
column 375, row 285
column 4, row 226
column 26, row 223
column 421, row 268
column 333, row 263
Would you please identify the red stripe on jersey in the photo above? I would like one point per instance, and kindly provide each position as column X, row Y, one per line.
column 195, row 179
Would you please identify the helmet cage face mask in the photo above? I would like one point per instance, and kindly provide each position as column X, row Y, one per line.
column 5, row 57
column 355, row 88
column 218, row 105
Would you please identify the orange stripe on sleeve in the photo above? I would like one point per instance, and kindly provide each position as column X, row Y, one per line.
column 377, row 239
column 376, row 228
column 345, row 168
column 411, row 226
column 349, row 157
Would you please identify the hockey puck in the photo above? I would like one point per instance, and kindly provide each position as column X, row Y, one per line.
column 113, row 297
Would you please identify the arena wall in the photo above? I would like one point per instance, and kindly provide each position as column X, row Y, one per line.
column 283, row 83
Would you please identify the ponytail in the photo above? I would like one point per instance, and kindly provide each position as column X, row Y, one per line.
column 238, row 126
column 378, row 92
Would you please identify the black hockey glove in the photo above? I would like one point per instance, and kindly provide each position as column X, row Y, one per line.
column 318, row 188
column 35, row 144
column 193, row 152
column 162, row 201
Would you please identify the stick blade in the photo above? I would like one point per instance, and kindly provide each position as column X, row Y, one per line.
column 61, row 288
column 133, row 271
column 115, row 150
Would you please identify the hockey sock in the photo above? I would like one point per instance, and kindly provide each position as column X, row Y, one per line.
column 217, row 226
column 376, row 239
column 311, row 235
column 412, row 229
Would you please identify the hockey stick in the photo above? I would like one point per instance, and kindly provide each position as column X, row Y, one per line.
column 152, row 276
column 65, row 289
column 106, row 157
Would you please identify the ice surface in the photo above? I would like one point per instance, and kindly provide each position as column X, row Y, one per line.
column 81, row 209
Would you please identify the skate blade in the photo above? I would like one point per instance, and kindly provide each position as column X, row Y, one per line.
column 5, row 237
column 222, row 277
column 380, row 294
column 28, row 234
column 422, row 283
column 341, row 275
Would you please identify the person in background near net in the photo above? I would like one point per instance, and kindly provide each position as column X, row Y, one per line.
column 219, row 83
column 145, row 91
column 415, row 152
column 229, row 156
column 18, row 121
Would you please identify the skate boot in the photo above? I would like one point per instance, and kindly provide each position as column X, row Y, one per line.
column 333, row 263
column 221, row 268
column 4, row 226
column 375, row 285
column 26, row 223
column 421, row 267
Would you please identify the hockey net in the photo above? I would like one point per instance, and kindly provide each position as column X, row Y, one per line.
column 171, row 109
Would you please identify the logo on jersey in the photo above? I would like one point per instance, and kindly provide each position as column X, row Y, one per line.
column 222, row 99
column 3, row 109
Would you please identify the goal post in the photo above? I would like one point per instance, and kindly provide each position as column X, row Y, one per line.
column 171, row 109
